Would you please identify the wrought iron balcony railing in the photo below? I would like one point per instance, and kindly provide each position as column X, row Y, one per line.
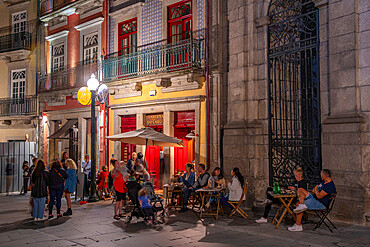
column 48, row 6
column 154, row 58
column 12, row 39
column 18, row 107
column 69, row 78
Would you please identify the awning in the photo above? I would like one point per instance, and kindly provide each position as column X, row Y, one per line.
column 63, row 129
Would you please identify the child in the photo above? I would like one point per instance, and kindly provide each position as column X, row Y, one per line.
column 145, row 205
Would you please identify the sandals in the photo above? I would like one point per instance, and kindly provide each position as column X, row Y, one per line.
column 50, row 216
column 59, row 215
column 116, row 217
column 121, row 215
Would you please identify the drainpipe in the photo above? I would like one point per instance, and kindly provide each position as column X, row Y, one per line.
column 37, row 77
column 207, row 89
column 107, row 47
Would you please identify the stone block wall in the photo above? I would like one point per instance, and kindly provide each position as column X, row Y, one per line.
column 344, row 92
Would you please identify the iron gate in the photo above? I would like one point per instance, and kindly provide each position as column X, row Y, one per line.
column 294, row 105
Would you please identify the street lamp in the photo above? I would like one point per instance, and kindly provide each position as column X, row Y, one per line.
column 93, row 85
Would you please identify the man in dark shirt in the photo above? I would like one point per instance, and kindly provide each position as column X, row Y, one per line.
column 201, row 182
column 318, row 201
column 131, row 162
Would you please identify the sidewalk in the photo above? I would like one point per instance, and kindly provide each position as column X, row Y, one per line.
column 93, row 225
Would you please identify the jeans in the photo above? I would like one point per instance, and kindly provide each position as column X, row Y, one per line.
column 186, row 196
column 39, row 206
column 25, row 185
column 224, row 200
column 56, row 192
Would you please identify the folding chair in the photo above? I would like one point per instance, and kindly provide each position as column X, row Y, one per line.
column 323, row 214
column 195, row 200
column 236, row 205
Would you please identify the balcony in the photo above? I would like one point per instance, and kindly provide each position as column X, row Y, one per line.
column 69, row 78
column 14, row 41
column 48, row 6
column 18, row 107
column 154, row 58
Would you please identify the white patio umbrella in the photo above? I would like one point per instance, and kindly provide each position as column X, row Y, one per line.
column 147, row 136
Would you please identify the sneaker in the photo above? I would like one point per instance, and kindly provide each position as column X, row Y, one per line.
column 267, row 201
column 148, row 222
column 261, row 220
column 36, row 219
column 295, row 228
column 300, row 208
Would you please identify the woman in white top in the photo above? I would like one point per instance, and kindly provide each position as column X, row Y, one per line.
column 235, row 187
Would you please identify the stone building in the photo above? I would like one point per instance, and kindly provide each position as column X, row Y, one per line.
column 293, row 90
column 18, row 102
column 73, row 39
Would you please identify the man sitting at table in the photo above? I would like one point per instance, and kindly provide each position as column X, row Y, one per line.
column 201, row 182
column 320, row 200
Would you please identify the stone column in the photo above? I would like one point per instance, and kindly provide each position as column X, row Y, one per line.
column 345, row 145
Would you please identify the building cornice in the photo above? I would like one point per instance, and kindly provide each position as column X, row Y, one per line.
column 57, row 35
column 90, row 24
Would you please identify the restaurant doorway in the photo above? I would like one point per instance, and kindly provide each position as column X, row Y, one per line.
column 153, row 153
column 184, row 125
column 128, row 123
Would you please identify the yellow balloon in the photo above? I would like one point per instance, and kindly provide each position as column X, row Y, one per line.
column 84, row 96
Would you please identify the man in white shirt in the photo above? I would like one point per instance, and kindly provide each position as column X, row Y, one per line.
column 86, row 166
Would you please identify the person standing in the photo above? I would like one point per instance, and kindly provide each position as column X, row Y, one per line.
column 57, row 176
column 131, row 162
column 70, row 184
column 9, row 174
column 103, row 183
column 141, row 159
column 65, row 156
column 26, row 177
column 119, row 187
column 86, row 166
column 40, row 181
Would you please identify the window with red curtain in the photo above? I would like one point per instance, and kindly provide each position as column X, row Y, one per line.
column 179, row 21
column 127, row 36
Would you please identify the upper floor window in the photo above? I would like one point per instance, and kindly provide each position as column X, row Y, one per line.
column 58, row 57
column 127, row 37
column 18, row 83
column 19, row 22
column 90, row 47
column 179, row 21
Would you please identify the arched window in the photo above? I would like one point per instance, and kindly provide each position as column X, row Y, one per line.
column 293, row 77
column 179, row 21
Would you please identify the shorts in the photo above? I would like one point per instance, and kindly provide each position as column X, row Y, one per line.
column 120, row 196
column 312, row 203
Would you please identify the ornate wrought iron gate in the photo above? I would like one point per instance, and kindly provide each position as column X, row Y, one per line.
column 294, row 105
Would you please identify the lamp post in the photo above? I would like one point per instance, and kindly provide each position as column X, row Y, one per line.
column 93, row 85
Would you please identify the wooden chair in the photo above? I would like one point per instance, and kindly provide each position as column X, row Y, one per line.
column 236, row 205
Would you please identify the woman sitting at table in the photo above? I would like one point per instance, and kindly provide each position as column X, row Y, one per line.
column 301, row 183
column 217, row 180
column 235, row 187
column 188, row 179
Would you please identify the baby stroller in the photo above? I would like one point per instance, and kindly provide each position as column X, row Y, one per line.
column 156, row 201
column 133, row 190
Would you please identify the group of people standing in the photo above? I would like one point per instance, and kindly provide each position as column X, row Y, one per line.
column 49, row 184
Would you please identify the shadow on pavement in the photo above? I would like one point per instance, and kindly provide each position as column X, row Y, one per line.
column 30, row 224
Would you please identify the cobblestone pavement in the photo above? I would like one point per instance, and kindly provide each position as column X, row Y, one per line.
column 93, row 225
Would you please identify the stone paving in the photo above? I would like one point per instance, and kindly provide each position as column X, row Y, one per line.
column 93, row 225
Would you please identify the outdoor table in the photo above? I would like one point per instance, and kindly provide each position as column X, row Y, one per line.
column 286, row 200
column 207, row 193
column 173, row 188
